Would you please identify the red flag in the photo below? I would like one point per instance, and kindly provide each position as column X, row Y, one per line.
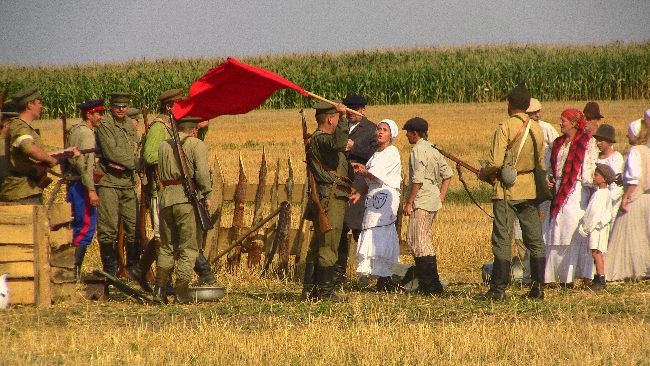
column 231, row 88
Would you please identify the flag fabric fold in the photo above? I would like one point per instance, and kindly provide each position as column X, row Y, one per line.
column 233, row 87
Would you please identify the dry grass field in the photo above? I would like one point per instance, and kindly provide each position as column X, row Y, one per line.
column 261, row 321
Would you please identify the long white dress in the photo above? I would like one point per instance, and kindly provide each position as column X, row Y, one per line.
column 378, row 248
column 567, row 252
column 628, row 255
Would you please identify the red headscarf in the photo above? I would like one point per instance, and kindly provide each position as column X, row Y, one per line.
column 575, row 158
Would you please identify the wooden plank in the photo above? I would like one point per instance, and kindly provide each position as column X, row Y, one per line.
column 16, row 253
column 21, row 291
column 61, row 237
column 23, row 269
column 234, row 257
column 212, row 237
column 296, row 197
column 257, row 241
column 63, row 257
column 16, row 224
column 42, row 258
column 16, row 214
column 59, row 214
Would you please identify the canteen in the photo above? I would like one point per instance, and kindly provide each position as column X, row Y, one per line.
column 508, row 175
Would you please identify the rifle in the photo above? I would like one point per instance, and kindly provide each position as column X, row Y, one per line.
column 145, row 191
column 189, row 186
column 323, row 221
column 456, row 160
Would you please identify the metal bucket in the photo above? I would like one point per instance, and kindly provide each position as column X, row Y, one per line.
column 204, row 294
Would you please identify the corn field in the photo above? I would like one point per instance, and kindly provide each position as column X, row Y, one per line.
column 429, row 75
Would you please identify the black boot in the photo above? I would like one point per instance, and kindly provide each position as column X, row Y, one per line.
column 537, row 269
column 182, row 292
column 342, row 260
column 309, row 283
column 203, row 269
column 598, row 283
column 325, row 279
column 109, row 258
column 133, row 252
column 433, row 268
column 499, row 281
column 160, row 293
column 79, row 254
column 149, row 255
column 424, row 276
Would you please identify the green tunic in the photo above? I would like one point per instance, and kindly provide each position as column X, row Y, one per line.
column 22, row 178
column 157, row 133
column 118, row 142
column 83, row 137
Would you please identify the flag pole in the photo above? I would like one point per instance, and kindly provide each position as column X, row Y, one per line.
column 333, row 103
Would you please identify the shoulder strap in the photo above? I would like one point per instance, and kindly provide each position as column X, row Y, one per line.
column 523, row 138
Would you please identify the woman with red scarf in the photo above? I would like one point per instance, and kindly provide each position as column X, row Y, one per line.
column 573, row 161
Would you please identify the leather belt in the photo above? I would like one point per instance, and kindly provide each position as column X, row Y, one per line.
column 524, row 172
column 172, row 182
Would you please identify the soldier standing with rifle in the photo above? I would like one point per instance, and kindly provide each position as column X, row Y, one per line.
column 118, row 141
column 329, row 176
column 27, row 159
column 159, row 131
column 517, row 143
column 81, row 187
column 185, row 177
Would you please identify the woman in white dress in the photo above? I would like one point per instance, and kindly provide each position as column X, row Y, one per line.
column 378, row 247
column 573, row 161
column 628, row 256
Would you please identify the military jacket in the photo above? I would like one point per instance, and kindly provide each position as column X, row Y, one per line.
column 429, row 168
column 22, row 173
column 83, row 137
column 118, row 142
column 327, row 161
column 506, row 132
column 196, row 152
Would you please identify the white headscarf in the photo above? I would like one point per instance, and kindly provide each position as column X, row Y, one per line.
column 393, row 127
column 635, row 127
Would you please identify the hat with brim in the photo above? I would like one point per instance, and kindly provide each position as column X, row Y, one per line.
column 324, row 108
column 534, row 106
column 605, row 132
column 189, row 121
column 120, row 99
column 170, row 95
column 26, row 95
column 354, row 101
column 592, row 111
column 133, row 113
column 90, row 106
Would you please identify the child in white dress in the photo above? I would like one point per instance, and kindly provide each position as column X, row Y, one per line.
column 595, row 225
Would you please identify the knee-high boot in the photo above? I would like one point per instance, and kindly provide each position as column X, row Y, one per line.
column 203, row 269
column 309, row 282
column 325, row 278
column 537, row 269
column 499, row 281
column 108, row 257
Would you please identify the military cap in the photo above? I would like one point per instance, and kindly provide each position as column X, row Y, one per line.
column 607, row 172
column 133, row 113
column 592, row 111
column 416, row 124
column 170, row 95
column 324, row 108
column 605, row 132
column 9, row 110
column 519, row 97
column 188, row 121
column 354, row 101
column 120, row 99
column 26, row 95
column 90, row 106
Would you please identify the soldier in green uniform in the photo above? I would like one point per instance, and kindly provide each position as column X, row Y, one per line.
column 81, row 191
column 118, row 141
column 27, row 159
column 330, row 169
column 160, row 130
column 8, row 112
column 136, row 115
column 179, row 227
column 515, row 193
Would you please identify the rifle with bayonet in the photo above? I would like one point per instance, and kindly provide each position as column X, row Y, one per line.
column 189, row 186
column 456, row 160
column 321, row 213
column 41, row 169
